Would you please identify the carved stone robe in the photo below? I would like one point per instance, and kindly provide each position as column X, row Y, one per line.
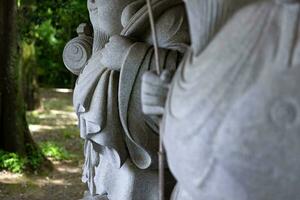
column 173, row 38
column 109, row 110
column 232, row 117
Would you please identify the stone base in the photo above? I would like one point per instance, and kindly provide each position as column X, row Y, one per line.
column 88, row 196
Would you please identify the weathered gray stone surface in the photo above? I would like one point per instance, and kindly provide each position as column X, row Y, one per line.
column 121, row 142
column 231, row 123
column 206, row 18
column 230, row 115
column 231, row 120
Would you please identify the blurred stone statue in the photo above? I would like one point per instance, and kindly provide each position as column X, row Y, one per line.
column 231, row 118
column 121, row 142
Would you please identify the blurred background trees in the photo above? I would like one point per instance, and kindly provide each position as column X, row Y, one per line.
column 33, row 34
column 40, row 148
column 44, row 27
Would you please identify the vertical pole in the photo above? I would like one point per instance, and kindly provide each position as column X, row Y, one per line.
column 154, row 36
column 161, row 148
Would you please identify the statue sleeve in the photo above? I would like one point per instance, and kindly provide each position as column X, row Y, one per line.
column 140, row 132
column 172, row 29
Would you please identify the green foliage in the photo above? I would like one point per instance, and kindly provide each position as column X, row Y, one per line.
column 48, row 25
column 18, row 164
column 35, row 157
column 70, row 132
column 12, row 162
column 53, row 150
column 33, row 117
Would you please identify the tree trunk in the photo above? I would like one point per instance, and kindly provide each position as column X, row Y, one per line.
column 28, row 81
column 27, row 62
column 14, row 132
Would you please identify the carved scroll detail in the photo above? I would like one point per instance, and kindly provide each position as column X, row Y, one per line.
column 78, row 50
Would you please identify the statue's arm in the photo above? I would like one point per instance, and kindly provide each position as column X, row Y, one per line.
column 172, row 29
column 115, row 52
column 172, row 34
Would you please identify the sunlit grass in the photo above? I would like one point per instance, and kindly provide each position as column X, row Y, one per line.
column 55, row 151
column 12, row 162
column 54, row 125
column 57, row 104
column 55, row 113
column 62, row 90
column 54, row 128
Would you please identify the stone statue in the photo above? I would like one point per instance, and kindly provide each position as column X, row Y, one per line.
column 231, row 119
column 206, row 18
column 121, row 143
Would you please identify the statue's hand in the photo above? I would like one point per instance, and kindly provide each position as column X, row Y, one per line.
column 154, row 92
column 114, row 52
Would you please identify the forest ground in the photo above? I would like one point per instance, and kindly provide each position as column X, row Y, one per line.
column 55, row 122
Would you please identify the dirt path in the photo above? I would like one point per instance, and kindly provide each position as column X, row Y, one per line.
column 55, row 121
